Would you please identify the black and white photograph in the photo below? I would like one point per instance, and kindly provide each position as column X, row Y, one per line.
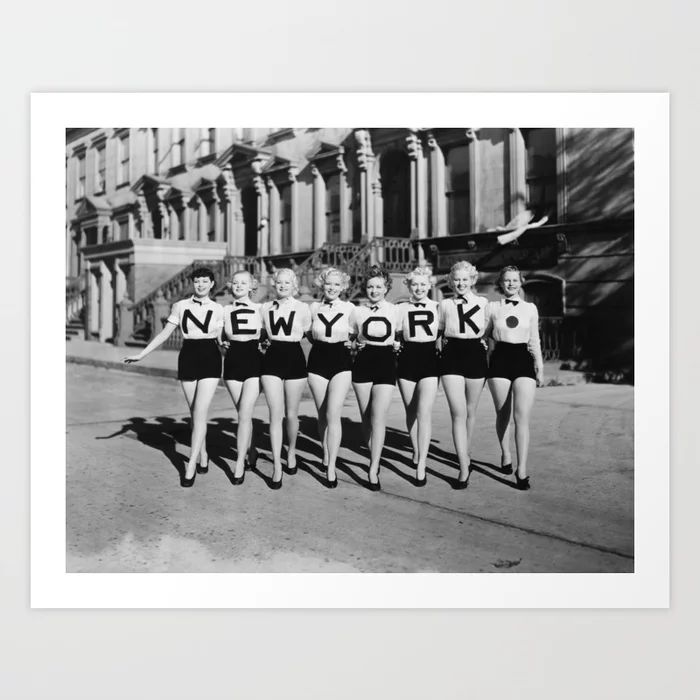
column 350, row 350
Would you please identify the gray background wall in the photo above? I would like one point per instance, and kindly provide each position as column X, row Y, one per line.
column 332, row 45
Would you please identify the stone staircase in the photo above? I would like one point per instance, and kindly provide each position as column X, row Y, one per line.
column 74, row 328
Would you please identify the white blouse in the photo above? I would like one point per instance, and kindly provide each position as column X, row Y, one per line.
column 375, row 324
column 330, row 323
column 242, row 321
column 464, row 317
column 285, row 320
column 516, row 323
column 419, row 322
column 197, row 319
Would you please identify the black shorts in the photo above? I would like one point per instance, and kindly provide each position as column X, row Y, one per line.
column 417, row 361
column 465, row 357
column 512, row 360
column 284, row 360
column 243, row 360
column 199, row 359
column 328, row 359
column 375, row 364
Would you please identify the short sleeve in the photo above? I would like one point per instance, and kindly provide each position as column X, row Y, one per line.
column 441, row 315
column 305, row 318
column 174, row 317
column 219, row 319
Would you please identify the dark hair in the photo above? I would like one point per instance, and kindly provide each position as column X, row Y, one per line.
column 378, row 271
column 502, row 274
column 202, row 272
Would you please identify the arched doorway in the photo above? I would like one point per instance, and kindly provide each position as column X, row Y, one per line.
column 249, row 205
column 395, row 173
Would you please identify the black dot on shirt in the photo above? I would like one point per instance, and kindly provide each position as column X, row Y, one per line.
column 512, row 321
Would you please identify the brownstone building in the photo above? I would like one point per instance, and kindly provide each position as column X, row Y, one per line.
column 143, row 204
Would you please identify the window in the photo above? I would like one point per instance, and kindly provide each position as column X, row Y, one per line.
column 123, row 159
column 123, row 229
column 100, row 169
column 154, row 159
column 541, row 172
column 333, row 208
column 457, row 189
column 80, row 179
column 178, row 147
column 286, row 217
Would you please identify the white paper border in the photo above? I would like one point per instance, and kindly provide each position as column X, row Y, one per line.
column 648, row 586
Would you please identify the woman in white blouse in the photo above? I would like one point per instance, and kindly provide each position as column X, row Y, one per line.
column 330, row 363
column 374, row 369
column 417, row 366
column 463, row 321
column 243, row 364
column 199, row 363
column 285, row 321
column 515, row 368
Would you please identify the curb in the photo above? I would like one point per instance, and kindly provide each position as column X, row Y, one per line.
column 120, row 366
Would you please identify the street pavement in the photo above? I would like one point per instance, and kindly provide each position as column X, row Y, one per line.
column 127, row 436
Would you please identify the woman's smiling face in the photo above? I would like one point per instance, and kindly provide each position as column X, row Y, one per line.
column 376, row 289
column 461, row 282
column 240, row 285
column 419, row 286
column 202, row 286
column 332, row 287
column 511, row 283
column 284, row 285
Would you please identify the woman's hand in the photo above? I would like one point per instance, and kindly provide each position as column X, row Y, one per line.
column 131, row 358
column 540, row 376
column 397, row 346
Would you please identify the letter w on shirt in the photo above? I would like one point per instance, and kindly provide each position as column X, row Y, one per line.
column 188, row 315
column 285, row 324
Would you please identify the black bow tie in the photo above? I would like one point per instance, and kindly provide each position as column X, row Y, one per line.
column 276, row 304
column 240, row 303
column 328, row 303
column 512, row 301
column 374, row 308
column 460, row 300
column 196, row 301
column 419, row 303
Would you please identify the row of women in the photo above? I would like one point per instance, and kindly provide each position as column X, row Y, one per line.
column 463, row 341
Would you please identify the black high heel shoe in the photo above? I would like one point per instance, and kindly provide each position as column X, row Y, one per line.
column 522, row 483
column 290, row 470
column 187, row 483
column 331, row 483
column 507, row 468
column 461, row 485
column 421, row 482
column 203, row 468
column 238, row 480
column 374, row 486
column 276, row 485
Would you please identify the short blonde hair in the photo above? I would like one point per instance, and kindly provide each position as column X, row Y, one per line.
column 251, row 277
column 420, row 271
column 323, row 276
column 462, row 266
column 288, row 270
column 502, row 274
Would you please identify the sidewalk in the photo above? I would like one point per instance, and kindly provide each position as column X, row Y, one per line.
column 163, row 363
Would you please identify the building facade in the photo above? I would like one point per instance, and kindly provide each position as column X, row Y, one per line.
column 143, row 203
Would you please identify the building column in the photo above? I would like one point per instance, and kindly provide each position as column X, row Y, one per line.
column 378, row 208
column 438, row 222
column 174, row 222
column 418, row 186
column 319, row 205
column 145, row 225
column 365, row 160
column 474, row 198
column 345, row 194
column 263, row 208
column 517, row 198
column 273, row 216
column 231, row 205
column 562, row 187
column 292, row 175
column 106, row 311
